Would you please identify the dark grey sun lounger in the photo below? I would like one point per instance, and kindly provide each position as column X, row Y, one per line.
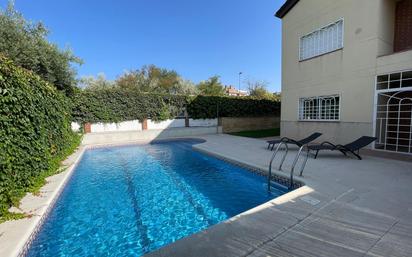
column 299, row 143
column 353, row 147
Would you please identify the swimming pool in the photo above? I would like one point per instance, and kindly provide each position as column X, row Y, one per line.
column 131, row 200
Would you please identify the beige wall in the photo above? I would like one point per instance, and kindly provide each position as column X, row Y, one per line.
column 340, row 133
column 386, row 27
column 350, row 72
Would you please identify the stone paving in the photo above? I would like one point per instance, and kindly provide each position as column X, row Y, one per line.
column 346, row 208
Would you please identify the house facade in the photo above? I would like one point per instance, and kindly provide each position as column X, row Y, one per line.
column 347, row 70
column 232, row 91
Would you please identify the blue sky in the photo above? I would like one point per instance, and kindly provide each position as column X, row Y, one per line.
column 197, row 38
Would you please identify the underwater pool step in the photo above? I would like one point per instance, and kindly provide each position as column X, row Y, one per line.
column 279, row 187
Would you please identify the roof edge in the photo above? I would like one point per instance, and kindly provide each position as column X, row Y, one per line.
column 285, row 8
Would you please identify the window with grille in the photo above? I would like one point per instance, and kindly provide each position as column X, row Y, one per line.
column 321, row 41
column 394, row 80
column 319, row 108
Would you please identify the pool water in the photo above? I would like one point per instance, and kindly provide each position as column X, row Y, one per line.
column 131, row 200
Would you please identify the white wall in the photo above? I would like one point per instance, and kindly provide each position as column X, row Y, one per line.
column 136, row 125
column 175, row 123
column 180, row 123
column 203, row 122
column 133, row 125
column 75, row 126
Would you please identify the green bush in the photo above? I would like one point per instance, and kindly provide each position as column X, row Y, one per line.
column 34, row 130
column 203, row 107
column 116, row 104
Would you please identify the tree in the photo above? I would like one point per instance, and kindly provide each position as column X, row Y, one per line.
column 212, row 86
column 277, row 96
column 137, row 81
column 25, row 43
column 90, row 82
column 152, row 79
column 258, row 90
column 186, row 87
column 167, row 80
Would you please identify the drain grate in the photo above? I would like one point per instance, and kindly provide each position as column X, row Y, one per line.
column 310, row 200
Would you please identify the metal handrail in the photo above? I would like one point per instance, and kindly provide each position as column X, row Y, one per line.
column 304, row 162
column 273, row 157
column 295, row 161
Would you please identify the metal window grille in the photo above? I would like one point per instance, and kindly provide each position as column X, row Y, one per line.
column 319, row 108
column 393, row 124
column 321, row 41
column 394, row 80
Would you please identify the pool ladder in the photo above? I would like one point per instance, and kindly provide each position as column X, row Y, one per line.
column 295, row 161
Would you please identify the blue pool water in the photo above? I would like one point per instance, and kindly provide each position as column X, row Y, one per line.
column 128, row 201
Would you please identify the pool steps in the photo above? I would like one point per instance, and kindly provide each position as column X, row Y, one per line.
column 295, row 161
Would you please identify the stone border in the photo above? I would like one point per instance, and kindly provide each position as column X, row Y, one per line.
column 24, row 245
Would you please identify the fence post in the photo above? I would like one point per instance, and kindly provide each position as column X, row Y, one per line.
column 187, row 123
column 87, row 127
column 144, row 124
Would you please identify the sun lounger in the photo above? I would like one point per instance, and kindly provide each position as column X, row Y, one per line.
column 299, row 143
column 353, row 147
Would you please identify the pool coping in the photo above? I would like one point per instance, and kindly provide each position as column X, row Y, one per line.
column 30, row 234
column 23, row 244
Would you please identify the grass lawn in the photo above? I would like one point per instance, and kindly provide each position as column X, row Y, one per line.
column 258, row 133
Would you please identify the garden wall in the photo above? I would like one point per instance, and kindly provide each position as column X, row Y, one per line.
column 228, row 124
column 236, row 124
column 148, row 124
column 133, row 125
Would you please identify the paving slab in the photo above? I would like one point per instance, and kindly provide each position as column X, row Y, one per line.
column 347, row 208
column 397, row 242
column 301, row 244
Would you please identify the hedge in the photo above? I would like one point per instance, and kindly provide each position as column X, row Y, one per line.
column 204, row 107
column 34, row 130
column 117, row 104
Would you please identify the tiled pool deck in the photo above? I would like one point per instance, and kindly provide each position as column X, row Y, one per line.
column 346, row 208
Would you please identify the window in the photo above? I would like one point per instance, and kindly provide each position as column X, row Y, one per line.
column 321, row 41
column 394, row 80
column 319, row 108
